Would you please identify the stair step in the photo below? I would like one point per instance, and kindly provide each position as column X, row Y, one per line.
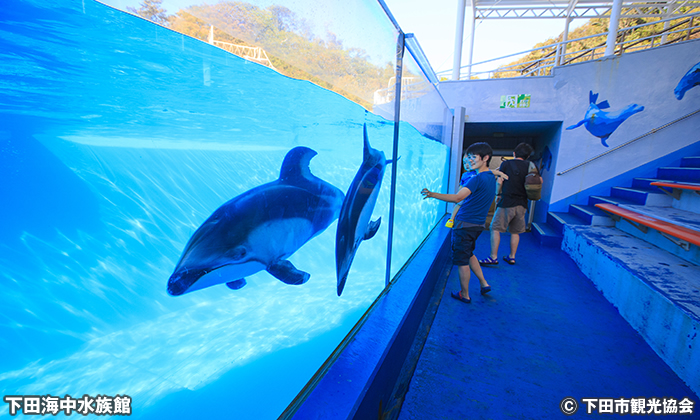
column 688, row 252
column 645, row 183
column 595, row 199
column 546, row 235
column 591, row 215
column 672, row 215
column 691, row 174
column 690, row 162
column 642, row 196
column 559, row 219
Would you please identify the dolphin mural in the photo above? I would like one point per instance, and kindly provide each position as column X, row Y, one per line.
column 259, row 229
column 601, row 123
column 354, row 223
column 689, row 81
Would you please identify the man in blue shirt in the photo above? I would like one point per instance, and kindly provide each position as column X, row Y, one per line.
column 470, row 220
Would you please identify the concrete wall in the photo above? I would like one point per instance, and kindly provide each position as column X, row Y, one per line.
column 646, row 78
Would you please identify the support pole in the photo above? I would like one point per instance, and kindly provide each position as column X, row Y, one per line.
column 669, row 11
column 459, row 35
column 400, row 50
column 472, row 19
column 612, row 27
column 561, row 59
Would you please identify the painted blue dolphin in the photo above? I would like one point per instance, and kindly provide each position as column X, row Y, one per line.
column 354, row 223
column 689, row 81
column 602, row 124
column 259, row 229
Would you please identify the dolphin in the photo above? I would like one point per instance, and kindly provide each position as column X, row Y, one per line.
column 601, row 123
column 259, row 229
column 354, row 222
column 690, row 80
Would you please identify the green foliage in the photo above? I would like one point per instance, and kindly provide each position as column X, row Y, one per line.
column 290, row 45
column 151, row 10
column 590, row 48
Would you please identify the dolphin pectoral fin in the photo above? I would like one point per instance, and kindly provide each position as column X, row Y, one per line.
column 578, row 124
column 236, row 284
column 372, row 229
column 285, row 272
column 393, row 160
column 603, row 105
column 604, row 140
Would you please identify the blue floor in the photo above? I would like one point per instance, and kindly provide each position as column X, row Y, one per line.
column 544, row 333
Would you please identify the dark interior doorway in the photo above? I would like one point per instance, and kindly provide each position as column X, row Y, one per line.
column 543, row 136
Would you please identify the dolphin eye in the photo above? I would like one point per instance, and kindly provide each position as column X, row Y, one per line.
column 239, row 253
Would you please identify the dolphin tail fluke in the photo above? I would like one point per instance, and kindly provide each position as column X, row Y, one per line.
column 578, row 124
column 604, row 140
column 285, row 272
column 372, row 229
column 236, row 284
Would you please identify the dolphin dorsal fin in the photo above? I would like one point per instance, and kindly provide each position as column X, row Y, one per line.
column 296, row 164
column 367, row 149
column 603, row 105
column 592, row 97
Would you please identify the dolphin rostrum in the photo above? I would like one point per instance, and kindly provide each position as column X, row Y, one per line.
column 687, row 82
column 354, row 222
column 259, row 229
column 601, row 123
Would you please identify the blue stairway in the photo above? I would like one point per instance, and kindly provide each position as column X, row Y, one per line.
column 639, row 193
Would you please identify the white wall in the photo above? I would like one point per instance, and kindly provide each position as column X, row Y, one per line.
column 647, row 78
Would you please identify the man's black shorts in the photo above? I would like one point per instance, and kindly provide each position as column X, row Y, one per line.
column 463, row 244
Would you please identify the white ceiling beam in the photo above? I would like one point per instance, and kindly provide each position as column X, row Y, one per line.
column 573, row 10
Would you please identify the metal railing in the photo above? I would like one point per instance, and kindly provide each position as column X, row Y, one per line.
column 411, row 87
column 254, row 54
column 680, row 29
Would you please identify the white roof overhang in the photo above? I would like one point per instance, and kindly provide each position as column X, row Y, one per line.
column 573, row 9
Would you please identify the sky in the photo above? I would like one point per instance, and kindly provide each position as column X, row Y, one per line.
column 434, row 26
column 432, row 22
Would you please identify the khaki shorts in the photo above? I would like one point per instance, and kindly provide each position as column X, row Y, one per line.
column 511, row 219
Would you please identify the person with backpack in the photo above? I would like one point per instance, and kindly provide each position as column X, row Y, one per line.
column 512, row 204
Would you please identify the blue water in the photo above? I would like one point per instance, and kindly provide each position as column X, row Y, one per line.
column 118, row 138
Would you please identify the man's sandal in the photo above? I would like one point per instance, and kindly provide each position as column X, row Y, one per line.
column 489, row 261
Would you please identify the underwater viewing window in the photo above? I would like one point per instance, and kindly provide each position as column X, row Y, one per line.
column 195, row 226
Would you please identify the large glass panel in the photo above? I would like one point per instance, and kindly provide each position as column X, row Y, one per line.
column 338, row 44
column 424, row 150
column 119, row 139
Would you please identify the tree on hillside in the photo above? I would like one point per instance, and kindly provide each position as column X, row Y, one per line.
column 292, row 46
column 151, row 10
column 596, row 46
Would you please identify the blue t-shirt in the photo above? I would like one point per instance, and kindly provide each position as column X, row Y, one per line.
column 466, row 177
column 476, row 206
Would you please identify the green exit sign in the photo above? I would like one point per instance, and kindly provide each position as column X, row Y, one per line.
column 515, row 101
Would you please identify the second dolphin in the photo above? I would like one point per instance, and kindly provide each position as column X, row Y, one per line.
column 354, row 222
